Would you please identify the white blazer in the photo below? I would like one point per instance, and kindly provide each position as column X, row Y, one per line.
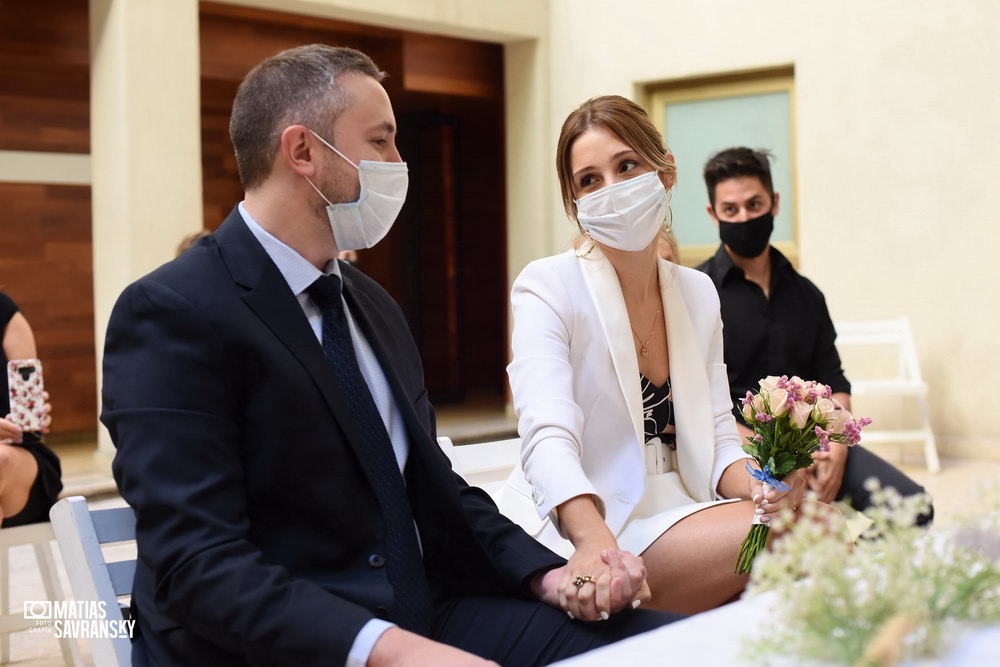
column 576, row 391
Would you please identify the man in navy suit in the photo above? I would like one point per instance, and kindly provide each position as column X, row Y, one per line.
column 264, row 531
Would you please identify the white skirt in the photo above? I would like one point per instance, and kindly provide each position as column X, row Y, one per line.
column 664, row 503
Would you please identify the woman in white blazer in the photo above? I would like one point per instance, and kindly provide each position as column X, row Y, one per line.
column 620, row 389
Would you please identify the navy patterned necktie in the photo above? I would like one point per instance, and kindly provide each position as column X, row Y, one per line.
column 403, row 560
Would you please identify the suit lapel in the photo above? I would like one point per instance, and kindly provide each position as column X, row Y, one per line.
column 268, row 295
column 606, row 293
column 692, row 398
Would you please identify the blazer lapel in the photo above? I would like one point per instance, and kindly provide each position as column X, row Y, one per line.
column 606, row 293
column 269, row 296
column 692, row 398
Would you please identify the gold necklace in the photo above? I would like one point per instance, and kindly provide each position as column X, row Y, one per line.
column 644, row 347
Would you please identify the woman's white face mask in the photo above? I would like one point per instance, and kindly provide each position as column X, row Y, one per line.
column 363, row 223
column 625, row 215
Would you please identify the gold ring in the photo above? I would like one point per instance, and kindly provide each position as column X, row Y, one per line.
column 584, row 579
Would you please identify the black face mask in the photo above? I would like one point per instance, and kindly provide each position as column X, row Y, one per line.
column 747, row 239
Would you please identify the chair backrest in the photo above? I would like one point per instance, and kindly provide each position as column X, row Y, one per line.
column 80, row 533
column 883, row 338
column 483, row 464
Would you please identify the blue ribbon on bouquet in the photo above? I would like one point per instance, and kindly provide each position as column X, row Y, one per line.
column 766, row 477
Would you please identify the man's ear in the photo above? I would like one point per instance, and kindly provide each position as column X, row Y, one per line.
column 711, row 213
column 774, row 203
column 295, row 150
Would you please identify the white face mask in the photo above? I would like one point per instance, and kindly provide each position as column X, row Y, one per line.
column 625, row 215
column 363, row 223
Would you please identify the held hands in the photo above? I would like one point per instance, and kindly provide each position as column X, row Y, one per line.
column 595, row 584
column 768, row 505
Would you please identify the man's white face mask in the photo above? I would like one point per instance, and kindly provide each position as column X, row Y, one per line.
column 626, row 215
column 363, row 223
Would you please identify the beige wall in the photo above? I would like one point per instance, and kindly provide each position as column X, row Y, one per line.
column 897, row 144
column 895, row 135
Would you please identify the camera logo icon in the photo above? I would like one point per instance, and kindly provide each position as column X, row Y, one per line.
column 38, row 609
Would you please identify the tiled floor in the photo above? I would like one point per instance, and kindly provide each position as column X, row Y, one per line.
column 953, row 489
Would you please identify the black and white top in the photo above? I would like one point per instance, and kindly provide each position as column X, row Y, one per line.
column 658, row 412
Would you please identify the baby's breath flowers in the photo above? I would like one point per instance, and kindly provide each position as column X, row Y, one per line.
column 901, row 592
column 791, row 419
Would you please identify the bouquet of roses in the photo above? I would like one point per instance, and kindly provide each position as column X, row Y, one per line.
column 791, row 419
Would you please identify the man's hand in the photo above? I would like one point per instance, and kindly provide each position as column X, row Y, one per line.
column 620, row 582
column 400, row 648
column 826, row 474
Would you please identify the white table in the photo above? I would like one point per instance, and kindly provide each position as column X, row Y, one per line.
column 703, row 640
column 716, row 638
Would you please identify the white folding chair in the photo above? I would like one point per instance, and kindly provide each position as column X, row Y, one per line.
column 484, row 464
column 39, row 536
column 81, row 532
column 885, row 364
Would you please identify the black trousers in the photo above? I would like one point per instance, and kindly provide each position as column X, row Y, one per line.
column 861, row 465
column 521, row 633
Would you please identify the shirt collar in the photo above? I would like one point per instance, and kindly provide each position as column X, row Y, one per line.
column 297, row 271
column 721, row 267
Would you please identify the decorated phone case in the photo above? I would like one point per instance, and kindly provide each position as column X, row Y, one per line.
column 27, row 403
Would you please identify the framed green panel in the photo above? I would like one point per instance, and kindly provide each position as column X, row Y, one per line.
column 700, row 117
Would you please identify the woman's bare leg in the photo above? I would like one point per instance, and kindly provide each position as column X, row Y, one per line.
column 18, row 469
column 690, row 567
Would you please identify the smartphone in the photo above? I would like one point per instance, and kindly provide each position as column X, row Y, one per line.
column 27, row 400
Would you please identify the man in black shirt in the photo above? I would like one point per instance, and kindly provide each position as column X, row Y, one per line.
column 776, row 321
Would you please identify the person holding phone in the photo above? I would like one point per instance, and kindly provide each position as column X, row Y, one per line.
column 30, row 474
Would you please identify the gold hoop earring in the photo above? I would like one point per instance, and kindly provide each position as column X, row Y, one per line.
column 668, row 219
column 587, row 246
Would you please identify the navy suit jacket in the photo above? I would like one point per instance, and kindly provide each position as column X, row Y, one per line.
column 259, row 534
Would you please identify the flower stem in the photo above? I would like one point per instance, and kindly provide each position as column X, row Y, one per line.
column 755, row 542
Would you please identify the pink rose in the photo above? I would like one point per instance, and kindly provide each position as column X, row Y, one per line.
column 839, row 420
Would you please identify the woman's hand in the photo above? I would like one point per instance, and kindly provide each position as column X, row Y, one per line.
column 620, row 584
column 598, row 583
column 599, row 579
column 46, row 413
column 10, row 432
column 777, row 499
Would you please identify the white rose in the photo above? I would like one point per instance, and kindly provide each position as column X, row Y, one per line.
column 778, row 400
column 800, row 413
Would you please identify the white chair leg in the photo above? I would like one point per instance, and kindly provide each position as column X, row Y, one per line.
column 931, row 454
column 4, row 604
column 930, row 444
